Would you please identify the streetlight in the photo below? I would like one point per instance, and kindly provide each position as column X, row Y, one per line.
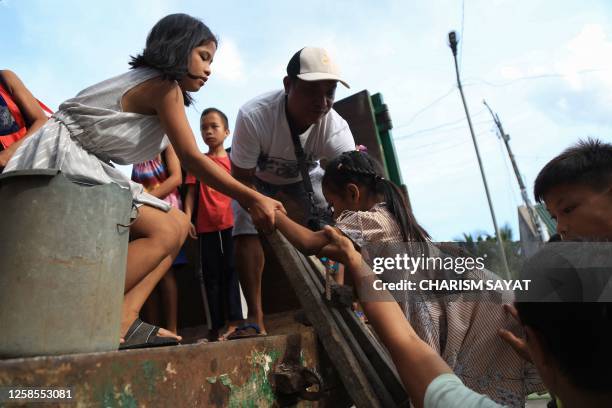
column 452, row 42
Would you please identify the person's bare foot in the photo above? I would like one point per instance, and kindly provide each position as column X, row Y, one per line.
column 260, row 322
column 167, row 333
column 229, row 330
column 234, row 329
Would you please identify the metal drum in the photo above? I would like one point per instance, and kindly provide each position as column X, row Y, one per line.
column 63, row 251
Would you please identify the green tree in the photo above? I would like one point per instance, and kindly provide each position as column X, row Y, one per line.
column 483, row 244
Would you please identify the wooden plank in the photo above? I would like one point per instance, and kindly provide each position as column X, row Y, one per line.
column 330, row 335
column 373, row 357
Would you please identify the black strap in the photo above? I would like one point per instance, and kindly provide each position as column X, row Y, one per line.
column 314, row 218
column 300, row 155
column 301, row 159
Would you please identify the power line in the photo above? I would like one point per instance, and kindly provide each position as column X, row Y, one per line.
column 433, row 103
column 439, row 128
column 452, row 122
column 443, row 147
column 542, row 76
column 434, row 151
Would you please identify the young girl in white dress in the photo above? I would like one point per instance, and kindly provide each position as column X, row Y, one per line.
column 129, row 119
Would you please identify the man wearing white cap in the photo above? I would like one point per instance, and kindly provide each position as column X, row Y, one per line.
column 263, row 156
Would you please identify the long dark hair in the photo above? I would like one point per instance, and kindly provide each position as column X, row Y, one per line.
column 360, row 168
column 169, row 46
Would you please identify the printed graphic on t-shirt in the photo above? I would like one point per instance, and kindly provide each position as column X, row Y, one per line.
column 282, row 167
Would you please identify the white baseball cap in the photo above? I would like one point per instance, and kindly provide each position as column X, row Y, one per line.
column 314, row 64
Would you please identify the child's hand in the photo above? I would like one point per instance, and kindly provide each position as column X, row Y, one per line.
column 262, row 211
column 518, row 344
column 192, row 231
column 340, row 248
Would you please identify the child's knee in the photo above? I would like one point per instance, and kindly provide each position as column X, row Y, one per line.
column 167, row 235
column 171, row 233
column 183, row 224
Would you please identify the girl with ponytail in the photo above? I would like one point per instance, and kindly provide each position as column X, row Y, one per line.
column 366, row 207
column 353, row 182
column 373, row 211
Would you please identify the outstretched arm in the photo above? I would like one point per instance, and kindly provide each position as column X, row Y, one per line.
column 189, row 206
column 416, row 362
column 166, row 99
column 306, row 241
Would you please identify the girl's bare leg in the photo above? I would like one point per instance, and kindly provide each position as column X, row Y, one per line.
column 151, row 310
column 157, row 239
column 169, row 300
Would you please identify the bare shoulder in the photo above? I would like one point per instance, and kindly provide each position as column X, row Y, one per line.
column 160, row 87
column 9, row 78
column 150, row 95
column 7, row 73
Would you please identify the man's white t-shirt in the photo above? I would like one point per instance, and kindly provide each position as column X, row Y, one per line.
column 262, row 140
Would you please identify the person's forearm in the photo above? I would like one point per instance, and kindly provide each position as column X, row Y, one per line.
column 248, row 181
column 416, row 362
column 168, row 186
column 189, row 200
column 37, row 124
column 306, row 241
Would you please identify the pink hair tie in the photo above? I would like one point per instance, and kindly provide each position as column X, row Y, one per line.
column 361, row 148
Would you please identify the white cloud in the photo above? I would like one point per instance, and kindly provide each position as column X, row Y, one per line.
column 589, row 50
column 562, row 104
column 228, row 65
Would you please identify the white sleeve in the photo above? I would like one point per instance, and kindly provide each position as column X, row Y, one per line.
column 447, row 391
column 340, row 141
column 245, row 144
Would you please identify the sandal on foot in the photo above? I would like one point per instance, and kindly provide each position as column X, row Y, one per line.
column 246, row 331
column 143, row 335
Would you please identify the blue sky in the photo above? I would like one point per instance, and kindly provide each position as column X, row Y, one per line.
column 544, row 66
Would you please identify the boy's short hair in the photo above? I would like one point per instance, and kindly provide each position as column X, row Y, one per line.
column 575, row 330
column 218, row 112
column 587, row 162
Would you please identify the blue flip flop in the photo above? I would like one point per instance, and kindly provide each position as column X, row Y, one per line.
column 245, row 331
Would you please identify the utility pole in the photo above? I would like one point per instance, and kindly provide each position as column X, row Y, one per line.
column 452, row 40
column 535, row 220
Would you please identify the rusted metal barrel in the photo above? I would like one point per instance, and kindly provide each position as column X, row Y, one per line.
column 62, row 264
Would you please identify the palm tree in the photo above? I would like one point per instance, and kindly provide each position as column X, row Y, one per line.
column 483, row 244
